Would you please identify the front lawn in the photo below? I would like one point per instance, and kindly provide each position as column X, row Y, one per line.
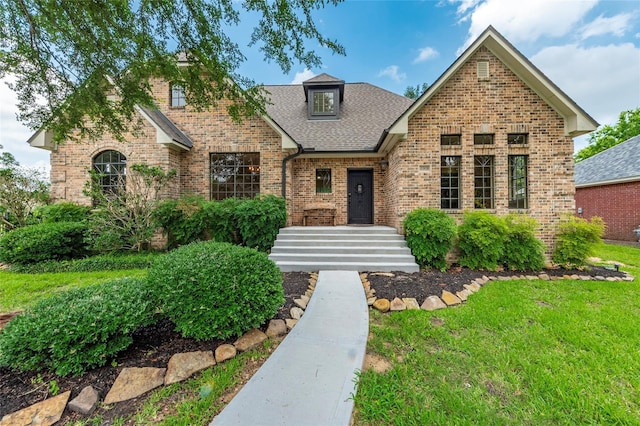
column 518, row 352
column 20, row 290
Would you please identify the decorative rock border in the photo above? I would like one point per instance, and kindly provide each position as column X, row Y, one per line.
column 448, row 299
column 135, row 381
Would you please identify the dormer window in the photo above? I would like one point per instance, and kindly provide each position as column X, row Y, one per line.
column 324, row 103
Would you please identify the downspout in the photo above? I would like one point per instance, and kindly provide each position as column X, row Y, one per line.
column 284, row 169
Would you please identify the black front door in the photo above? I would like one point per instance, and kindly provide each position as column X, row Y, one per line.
column 360, row 193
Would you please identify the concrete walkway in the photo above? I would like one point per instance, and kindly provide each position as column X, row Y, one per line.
column 310, row 378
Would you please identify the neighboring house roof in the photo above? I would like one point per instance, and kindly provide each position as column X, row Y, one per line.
column 577, row 121
column 365, row 111
column 161, row 122
column 618, row 164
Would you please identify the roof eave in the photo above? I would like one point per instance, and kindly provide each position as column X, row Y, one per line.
column 42, row 139
column 161, row 136
column 628, row 179
column 286, row 140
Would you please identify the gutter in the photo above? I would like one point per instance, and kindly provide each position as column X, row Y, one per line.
column 284, row 169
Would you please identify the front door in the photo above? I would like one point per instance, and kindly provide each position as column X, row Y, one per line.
column 360, row 197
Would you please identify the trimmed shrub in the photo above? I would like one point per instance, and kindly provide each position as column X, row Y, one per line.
column 576, row 239
column 522, row 250
column 260, row 220
column 481, row 238
column 182, row 220
column 45, row 241
column 63, row 212
column 429, row 234
column 77, row 330
column 113, row 262
column 214, row 290
column 221, row 222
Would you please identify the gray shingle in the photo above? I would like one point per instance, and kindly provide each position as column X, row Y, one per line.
column 168, row 127
column 364, row 114
column 618, row 162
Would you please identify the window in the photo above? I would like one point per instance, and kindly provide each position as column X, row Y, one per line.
column 323, row 181
column 450, row 182
column 112, row 170
column 323, row 103
column 518, row 194
column 483, row 182
column 483, row 139
column 178, row 98
column 235, row 175
column 447, row 140
column 517, row 138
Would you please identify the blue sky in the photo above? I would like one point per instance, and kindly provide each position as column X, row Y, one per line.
column 589, row 48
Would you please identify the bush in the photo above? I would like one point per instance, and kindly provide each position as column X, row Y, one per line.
column 576, row 239
column 260, row 220
column 77, row 330
column 113, row 262
column 221, row 222
column 429, row 234
column 46, row 241
column 63, row 212
column 183, row 220
column 214, row 290
column 522, row 250
column 481, row 239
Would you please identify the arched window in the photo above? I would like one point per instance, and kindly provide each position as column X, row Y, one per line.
column 112, row 167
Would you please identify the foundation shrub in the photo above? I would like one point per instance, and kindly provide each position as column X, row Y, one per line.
column 45, row 241
column 260, row 220
column 576, row 239
column 183, row 220
column 78, row 329
column 522, row 250
column 110, row 262
column 429, row 234
column 213, row 290
column 65, row 211
column 221, row 222
column 481, row 238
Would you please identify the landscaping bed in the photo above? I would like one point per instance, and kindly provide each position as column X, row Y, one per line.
column 154, row 345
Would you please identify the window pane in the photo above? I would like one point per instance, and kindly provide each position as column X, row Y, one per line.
column 234, row 175
column 483, row 139
column 517, row 138
column 450, row 140
column 483, row 180
column 449, row 182
column 518, row 191
column 323, row 103
column 323, row 181
column 111, row 166
column 178, row 98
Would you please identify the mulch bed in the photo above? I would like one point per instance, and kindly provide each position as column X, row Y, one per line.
column 154, row 345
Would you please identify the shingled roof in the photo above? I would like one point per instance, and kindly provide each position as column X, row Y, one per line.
column 364, row 114
column 618, row 164
column 168, row 127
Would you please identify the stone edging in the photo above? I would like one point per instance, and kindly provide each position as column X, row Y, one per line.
column 448, row 299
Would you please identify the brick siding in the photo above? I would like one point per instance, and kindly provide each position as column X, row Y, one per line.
column 618, row 205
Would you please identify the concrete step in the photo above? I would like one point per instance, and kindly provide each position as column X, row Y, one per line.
column 336, row 236
column 339, row 243
column 370, row 266
column 353, row 230
column 341, row 257
column 341, row 249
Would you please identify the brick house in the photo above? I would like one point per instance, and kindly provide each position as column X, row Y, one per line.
column 608, row 185
column 491, row 133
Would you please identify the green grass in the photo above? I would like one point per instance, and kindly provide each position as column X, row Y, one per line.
column 18, row 290
column 518, row 352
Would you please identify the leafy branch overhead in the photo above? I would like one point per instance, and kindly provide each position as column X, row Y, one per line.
column 64, row 55
column 607, row 136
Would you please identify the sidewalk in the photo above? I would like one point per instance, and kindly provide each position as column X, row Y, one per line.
column 310, row 378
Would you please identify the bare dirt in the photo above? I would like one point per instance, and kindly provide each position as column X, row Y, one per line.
column 154, row 345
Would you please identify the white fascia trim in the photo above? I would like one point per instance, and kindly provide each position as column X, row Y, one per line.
column 609, row 182
column 161, row 136
column 43, row 139
column 286, row 140
column 340, row 155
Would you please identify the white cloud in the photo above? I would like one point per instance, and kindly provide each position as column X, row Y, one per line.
column 392, row 72
column 14, row 135
column 303, row 76
column 616, row 25
column 602, row 80
column 425, row 54
column 525, row 20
